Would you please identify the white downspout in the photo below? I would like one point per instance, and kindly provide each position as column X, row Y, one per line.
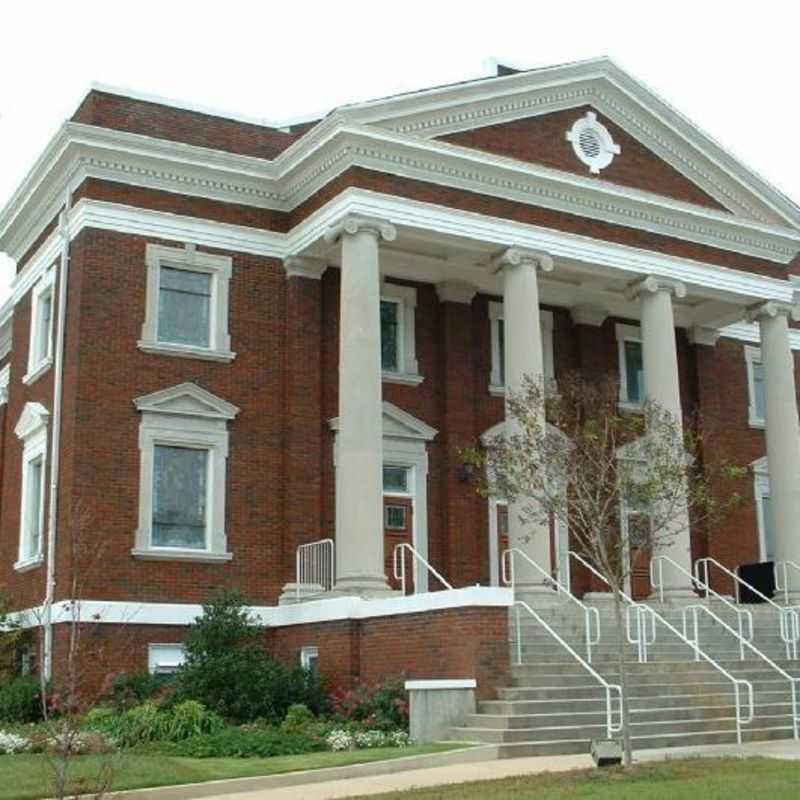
column 55, row 439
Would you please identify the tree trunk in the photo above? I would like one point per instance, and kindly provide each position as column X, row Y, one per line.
column 621, row 663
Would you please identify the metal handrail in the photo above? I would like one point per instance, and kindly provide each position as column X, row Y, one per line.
column 789, row 622
column 741, row 613
column 793, row 681
column 781, row 567
column 399, row 567
column 314, row 568
column 610, row 688
column 644, row 636
column 589, row 614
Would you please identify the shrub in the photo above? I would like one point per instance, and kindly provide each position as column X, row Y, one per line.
column 247, row 742
column 20, row 700
column 11, row 743
column 228, row 670
column 132, row 689
column 142, row 723
column 383, row 707
column 189, row 719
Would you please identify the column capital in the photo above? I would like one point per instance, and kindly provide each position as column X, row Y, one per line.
column 518, row 256
column 353, row 224
column 456, row 292
column 652, row 284
column 771, row 309
column 588, row 314
column 699, row 334
column 304, row 267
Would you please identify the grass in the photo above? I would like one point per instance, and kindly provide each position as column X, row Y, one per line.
column 24, row 777
column 693, row 779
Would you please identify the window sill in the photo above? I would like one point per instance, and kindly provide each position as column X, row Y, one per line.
column 404, row 378
column 756, row 423
column 36, row 372
column 633, row 408
column 185, row 351
column 26, row 564
column 176, row 554
column 499, row 390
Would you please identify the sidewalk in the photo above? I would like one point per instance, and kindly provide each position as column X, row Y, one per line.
column 492, row 770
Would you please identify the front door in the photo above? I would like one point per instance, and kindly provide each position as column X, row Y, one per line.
column 398, row 520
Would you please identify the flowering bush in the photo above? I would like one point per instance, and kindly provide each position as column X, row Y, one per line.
column 380, row 707
column 342, row 739
column 11, row 743
column 339, row 740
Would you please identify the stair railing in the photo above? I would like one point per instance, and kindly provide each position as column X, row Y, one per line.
column 399, row 567
column 695, row 609
column 782, row 571
column 591, row 616
column 646, row 619
column 314, row 568
column 644, row 623
column 743, row 615
column 612, row 690
column 788, row 619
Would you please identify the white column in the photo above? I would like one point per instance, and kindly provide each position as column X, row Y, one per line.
column 359, row 443
column 782, row 432
column 662, row 386
column 524, row 358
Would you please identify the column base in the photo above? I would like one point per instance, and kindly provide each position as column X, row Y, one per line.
column 677, row 594
column 366, row 586
column 538, row 594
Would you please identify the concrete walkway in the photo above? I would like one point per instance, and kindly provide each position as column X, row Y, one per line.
column 492, row 770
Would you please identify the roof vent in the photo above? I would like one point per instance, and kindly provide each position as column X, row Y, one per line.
column 592, row 142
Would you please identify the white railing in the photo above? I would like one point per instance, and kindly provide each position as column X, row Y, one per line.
column 314, row 568
column 782, row 571
column 399, row 567
column 694, row 610
column 743, row 615
column 788, row 620
column 591, row 616
column 645, row 625
column 612, row 690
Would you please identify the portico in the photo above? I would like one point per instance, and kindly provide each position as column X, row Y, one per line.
column 528, row 268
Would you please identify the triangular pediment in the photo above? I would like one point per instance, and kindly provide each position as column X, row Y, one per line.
column 399, row 424
column 33, row 418
column 661, row 151
column 188, row 400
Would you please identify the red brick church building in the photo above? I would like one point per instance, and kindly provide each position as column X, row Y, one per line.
column 226, row 340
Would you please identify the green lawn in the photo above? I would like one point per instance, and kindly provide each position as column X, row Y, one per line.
column 694, row 779
column 24, row 777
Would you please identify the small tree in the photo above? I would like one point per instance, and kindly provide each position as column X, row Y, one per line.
column 592, row 461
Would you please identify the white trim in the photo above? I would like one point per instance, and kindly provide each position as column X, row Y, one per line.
column 31, row 429
column 5, row 380
column 118, row 612
column 606, row 147
column 439, row 684
column 760, row 469
column 627, row 333
column 184, row 416
column 405, row 297
column 751, row 356
column 219, row 270
column 6, row 332
column 165, row 657
column 40, row 342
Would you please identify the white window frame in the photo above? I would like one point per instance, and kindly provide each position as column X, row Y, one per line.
column 166, row 658
column 40, row 343
column 184, row 416
column 752, row 355
column 32, row 431
column 189, row 259
column 496, row 385
column 626, row 333
column 405, row 297
column 760, row 469
column 5, row 381
column 308, row 655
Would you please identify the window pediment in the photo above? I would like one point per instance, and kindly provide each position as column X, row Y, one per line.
column 399, row 424
column 188, row 400
column 33, row 418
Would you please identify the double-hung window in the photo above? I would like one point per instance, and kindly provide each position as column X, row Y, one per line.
column 187, row 304
column 40, row 346
column 398, row 338
column 631, row 366
column 497, row 378
column 31, row 429
column 183, row 442
column 755, row 387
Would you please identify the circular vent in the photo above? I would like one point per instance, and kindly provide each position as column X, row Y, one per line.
column 592, row 142
column 589, row 142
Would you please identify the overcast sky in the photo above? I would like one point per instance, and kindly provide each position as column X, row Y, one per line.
column 733, row 72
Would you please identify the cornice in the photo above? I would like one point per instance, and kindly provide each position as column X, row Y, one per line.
column 81, row 151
